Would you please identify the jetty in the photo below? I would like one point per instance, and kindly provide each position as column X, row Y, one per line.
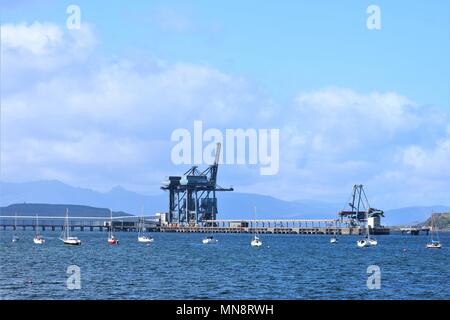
column 159, row 224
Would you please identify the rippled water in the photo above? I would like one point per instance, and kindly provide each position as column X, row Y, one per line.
column 179, row 266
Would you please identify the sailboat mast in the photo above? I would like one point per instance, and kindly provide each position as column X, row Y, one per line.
column 434, row 233
column 67, row 231
column 141, row 222
column 110, row 223
column 254, row 219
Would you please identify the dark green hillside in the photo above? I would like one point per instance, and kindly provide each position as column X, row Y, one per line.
column 442, row 220
column 43, row 209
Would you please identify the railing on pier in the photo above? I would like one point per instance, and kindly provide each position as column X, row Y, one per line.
column 125, row 223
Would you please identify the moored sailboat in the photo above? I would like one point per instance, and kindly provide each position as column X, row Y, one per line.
column 142, row 237
column 334, row 239
column 65, row 234
column 367, row 241
column 111, row 239
column 38, row 239
column 15, row 237
column 435, row 243
column 256, row 241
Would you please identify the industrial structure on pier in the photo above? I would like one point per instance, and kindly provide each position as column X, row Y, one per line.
column 361, row 212
column 192, row 196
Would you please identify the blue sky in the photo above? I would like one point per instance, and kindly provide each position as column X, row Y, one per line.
column 353, row 105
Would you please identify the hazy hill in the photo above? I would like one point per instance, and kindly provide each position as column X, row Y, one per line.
column 442, row 221
column 232, row 205
column 412, row 215
column 31, row 209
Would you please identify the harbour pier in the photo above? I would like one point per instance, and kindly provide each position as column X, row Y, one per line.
column 303, row 226
column 158, row 224
column 125, row 223
column 414, row 230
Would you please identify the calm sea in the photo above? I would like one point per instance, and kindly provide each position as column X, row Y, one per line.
column 179, row 266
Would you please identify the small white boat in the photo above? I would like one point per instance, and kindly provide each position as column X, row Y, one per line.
column 65, row 234
column 362, row 243
column 38, row 239
column 209, row 240
column 72, row 241
column 256, row 242
column 435, row 243
column 145, row 239
column 367, row 241
column 334, row 239
column 142, row 237
column 15, row 237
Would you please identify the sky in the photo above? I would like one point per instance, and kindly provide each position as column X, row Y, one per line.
column 95, row 107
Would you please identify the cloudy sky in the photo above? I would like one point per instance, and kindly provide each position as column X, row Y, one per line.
column 95, row 107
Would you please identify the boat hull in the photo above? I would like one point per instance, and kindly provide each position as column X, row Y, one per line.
column 256, row 243
column 209, row 241
column 72, row 242
column 39, row 241
column 366, row 243
column 434, row 246
column 113, row 241
column 145, row 239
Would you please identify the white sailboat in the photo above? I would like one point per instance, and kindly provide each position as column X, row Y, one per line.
column 15, row 237
column 111, row 239
column 435, row 243
column 65, row 234
column 334, row 239
column 38, row 239
column 256, row 241
column 210, row 238
column 367, row 241
column 142, row 237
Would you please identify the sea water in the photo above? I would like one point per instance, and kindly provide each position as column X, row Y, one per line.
column 179, row 266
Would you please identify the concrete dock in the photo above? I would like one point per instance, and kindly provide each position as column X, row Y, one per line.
column 131, row 224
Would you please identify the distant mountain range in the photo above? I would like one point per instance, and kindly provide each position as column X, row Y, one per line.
column 231, row 205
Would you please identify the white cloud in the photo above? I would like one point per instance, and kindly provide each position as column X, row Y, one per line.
column 110, row 123
column 46, row 40
column 37, row 38
column 114, row 117
column 336, row 137
column 33, row 52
